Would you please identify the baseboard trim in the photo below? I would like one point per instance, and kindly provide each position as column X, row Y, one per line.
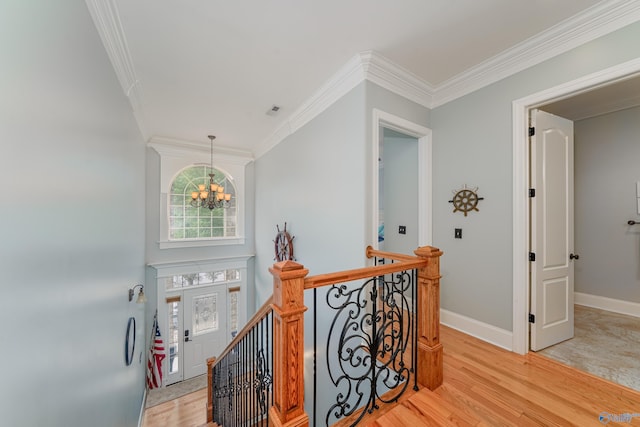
column 609, row 304
column 142, row 408
column 489, row 333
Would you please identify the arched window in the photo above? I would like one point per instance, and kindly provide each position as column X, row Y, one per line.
column 188, row 222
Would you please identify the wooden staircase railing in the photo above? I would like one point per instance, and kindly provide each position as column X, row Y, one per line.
column 287, row 305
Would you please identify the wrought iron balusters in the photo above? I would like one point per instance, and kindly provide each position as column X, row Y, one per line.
column 242, row 379
column 370, row 350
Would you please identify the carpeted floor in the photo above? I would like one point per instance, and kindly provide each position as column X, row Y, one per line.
column 605, row 344
column 173, row 391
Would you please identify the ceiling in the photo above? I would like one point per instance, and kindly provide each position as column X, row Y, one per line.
column 612, row 97
column 199, row 67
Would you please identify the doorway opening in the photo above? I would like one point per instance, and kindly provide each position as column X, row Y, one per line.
column 521, row 185
column 417, row 140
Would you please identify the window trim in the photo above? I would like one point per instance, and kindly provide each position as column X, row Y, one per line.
column 177, row 155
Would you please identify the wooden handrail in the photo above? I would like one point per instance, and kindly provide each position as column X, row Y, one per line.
column 388, row 255
column 361, row 273
column 257, row 317
column 405, row 262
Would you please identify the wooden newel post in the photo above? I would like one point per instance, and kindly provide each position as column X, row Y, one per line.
column 429, row 347
column 288, row 345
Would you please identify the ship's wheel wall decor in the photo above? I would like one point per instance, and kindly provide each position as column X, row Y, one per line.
column 466, row 199
column 283, row 245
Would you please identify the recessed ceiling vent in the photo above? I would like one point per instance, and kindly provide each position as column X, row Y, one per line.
column 273, row 110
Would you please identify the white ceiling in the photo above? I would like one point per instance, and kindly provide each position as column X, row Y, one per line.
column 612, row 97
column 198, row 67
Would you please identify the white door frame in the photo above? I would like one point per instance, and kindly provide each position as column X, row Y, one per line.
column 521, row 217
column 423, row 134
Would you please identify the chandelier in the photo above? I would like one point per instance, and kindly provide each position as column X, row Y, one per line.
column 213, row 197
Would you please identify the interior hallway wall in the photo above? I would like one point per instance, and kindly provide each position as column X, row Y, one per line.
column 607, row 155
column 72, row 166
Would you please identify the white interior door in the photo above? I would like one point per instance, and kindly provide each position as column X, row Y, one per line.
column 205, row 327
column 552, row 238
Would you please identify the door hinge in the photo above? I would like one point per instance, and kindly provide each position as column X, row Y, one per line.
column 532, row 256
column 532, row 318
column 532, row 131
column 532, row 192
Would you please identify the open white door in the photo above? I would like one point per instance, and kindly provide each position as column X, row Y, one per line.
column 552, row 271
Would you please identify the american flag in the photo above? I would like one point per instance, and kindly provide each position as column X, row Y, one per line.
column 156, row 356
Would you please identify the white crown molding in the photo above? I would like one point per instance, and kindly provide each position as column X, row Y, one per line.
column 179, row 148
column 363, row 66
column 107, row 21
column 345, row 79
column 601, row 19
column 384, row 73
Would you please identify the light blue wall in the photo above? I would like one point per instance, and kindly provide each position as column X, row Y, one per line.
column 314, row 181
column 607, row 152
column 472, row 139
column 72, row 167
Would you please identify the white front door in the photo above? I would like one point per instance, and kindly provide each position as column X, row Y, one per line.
column 197, row 329
column 552, row 272
column 205, row 327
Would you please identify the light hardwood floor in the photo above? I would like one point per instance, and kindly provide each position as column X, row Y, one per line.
column 483, row 386
column 185, row 411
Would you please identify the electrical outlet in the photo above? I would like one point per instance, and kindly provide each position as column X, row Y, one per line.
column 457, row 233
column 402, row 229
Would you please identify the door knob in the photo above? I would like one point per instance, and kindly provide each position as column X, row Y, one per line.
column 572, row 256
column 186, row 335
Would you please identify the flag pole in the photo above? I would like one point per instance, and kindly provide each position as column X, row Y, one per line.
column 156, row 356
column 153, row 328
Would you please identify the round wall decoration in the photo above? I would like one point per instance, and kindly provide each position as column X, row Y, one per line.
column 466, row 199
column 283, row 244
column 130, row 341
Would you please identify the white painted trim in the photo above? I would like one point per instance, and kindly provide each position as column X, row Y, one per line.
column 608, row 304
column 200, row 151
column 175, row 156
column 489, row 333
column 386, row 74
column 596, row 21
column 425, row 169
column 346, row 78
column 367, row 65
column 166, row 269
column 107, row 21
column 520, row 111
column 200, row 243
column 602, row 18
column 144, row 405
